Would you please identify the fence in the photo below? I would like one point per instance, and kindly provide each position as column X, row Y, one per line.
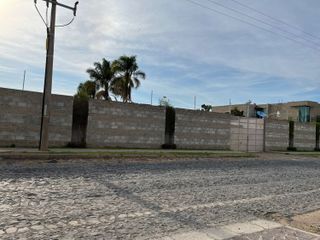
column 20, row 118
column 125, row 125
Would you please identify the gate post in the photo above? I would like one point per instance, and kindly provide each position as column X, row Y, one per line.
column 317, row 148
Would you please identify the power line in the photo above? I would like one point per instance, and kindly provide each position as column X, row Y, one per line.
column 47, row 17
column 67, row 24
column 263, row 22
column 44, row 21
column 251, row 24
column 276, row 19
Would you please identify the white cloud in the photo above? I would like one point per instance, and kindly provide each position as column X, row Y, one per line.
column 174, row 40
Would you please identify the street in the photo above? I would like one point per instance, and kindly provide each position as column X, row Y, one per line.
column 104, row 200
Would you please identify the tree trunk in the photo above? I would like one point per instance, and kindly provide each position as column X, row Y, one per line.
column 129, row 94
column 106, row 92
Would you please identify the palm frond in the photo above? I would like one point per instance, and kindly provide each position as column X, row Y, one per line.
column 137, row 82
column 139, row 74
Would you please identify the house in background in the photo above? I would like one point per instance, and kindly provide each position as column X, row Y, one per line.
column 303, row 111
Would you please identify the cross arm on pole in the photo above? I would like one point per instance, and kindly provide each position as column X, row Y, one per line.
column 74, row 9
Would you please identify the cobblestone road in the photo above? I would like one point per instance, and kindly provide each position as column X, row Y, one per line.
column 99, row 200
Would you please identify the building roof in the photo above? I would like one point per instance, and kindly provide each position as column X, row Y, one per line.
column 290, row 104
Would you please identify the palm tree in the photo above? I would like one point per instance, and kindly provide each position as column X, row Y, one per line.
column 127, row 76
column 103, row 75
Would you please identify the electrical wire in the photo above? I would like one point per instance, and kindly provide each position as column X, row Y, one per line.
column 263, row 22
column 251, row 24
column 46, row 21
column 41, row 15
column 47, row 18
column 65, row 25
column 276, row 19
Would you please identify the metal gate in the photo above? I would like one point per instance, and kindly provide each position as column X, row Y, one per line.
column 247, row 134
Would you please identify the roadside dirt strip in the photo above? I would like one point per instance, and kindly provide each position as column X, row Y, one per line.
column 309, row 222
column 253, row 230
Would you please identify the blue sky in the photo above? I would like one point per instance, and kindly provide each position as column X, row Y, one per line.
column 184, row 49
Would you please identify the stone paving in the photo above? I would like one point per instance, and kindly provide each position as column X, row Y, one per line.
column 103, row 200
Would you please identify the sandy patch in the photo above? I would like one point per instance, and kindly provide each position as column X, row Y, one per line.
column 309, row 222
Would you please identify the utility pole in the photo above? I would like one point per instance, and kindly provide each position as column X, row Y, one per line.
column 46, row 98
column 24, row 79
column 151, row 97
column 194, row 102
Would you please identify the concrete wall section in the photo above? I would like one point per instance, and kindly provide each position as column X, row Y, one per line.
column 276, row 135
column 247, row 134
column 60, row 128
column 305, row 136
column 125, row 125
column 202, row 130
column 20, row 119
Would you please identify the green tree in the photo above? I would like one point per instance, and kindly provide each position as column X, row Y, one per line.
column 87, row 88
column 207, row 108
column 237, row 112
column 127, row 76
column 102, row 74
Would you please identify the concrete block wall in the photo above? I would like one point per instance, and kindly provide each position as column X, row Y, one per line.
column 20, row 119
column 304, row 136
column 113, row 124
column 125, row 125
column 276, row 135
column 202, row 130
column 247, row 134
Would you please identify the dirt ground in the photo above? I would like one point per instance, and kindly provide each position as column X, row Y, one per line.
column 309, row 222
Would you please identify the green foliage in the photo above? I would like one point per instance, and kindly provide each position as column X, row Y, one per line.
column 102, row 74
column 237, row 112
column 86, row 90
column 207, row 108
column 81, row 95
column 127, row 76
column 117, row 78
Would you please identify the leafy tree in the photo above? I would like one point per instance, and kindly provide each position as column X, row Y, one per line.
column 127, row 76
column 81, row 95
column 102, row 74
column 88, row 87
column 207, row 108
column 237, row 112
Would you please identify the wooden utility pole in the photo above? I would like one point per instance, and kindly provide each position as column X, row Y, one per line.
column 46, row 98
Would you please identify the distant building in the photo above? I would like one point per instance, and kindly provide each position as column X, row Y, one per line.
column 304, row 111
